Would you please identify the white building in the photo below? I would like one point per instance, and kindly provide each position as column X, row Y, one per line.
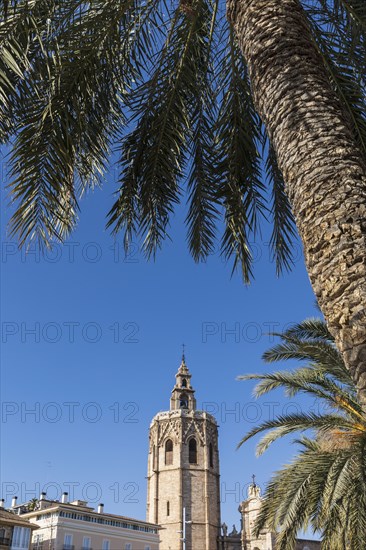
column 76, row 526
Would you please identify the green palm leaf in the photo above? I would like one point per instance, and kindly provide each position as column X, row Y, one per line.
column 324, row 486
column 166, row 83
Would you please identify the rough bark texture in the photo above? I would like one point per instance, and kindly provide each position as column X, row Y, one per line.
column 324, row 174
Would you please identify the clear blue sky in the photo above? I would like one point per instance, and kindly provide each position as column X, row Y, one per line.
column 107, row 345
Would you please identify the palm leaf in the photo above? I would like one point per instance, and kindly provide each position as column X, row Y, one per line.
column 238, row 167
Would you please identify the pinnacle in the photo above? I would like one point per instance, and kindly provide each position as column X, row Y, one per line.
column 183, row 367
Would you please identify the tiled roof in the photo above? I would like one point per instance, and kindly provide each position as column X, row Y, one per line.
column 9, row 518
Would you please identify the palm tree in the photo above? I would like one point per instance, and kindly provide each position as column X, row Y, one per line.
column 181, row 93
column 314, row 140
column 33, row 504
column 324, row 486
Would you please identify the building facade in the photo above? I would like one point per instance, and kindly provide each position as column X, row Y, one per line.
column 183, row 472
column 15, row 531
column 76, row 526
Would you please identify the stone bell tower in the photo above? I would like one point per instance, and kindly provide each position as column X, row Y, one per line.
column 249, row 510
column 183, row 472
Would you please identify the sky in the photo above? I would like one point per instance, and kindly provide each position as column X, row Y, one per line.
column 92, row 339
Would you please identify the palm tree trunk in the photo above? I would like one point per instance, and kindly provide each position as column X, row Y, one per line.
column 323, row 170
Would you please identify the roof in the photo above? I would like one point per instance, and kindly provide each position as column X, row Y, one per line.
column 86, row 510
column 9, row 518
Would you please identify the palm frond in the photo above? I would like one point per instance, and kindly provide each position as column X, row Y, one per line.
column 238, row 167
column 153, row 154
column 339, row 32
column 297, row 496
column 284, row 229
column 287, row 424
column 18, row 29
column 65, row 124
column 311, row 328
column 311, row 341
column 312, row 382
column 202, row 181
column 292, row 348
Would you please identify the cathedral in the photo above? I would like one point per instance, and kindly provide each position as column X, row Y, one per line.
column 183, row 492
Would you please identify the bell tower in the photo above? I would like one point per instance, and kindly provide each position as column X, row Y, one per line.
column 183, row 471
column 249, row 510
column 182, row 393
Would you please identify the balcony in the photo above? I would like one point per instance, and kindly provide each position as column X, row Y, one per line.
column 4, row 541
column 68, row 547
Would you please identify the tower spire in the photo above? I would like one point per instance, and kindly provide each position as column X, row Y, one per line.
column 254, row 489
column 183, row 353
column 183, row 393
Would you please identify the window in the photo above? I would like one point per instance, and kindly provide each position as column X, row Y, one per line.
column 210, row 452
column 147, row 547
column 183, row 401
column 38, row 542
column 21, row 538
column 68, row 542
column 128, row 546
column 106, row 545
column 86, row 543
column 168, row 508
column 192, row 457
column 168, row 452
column 184, row 383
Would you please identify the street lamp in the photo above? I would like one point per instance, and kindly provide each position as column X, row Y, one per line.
column 183, row 533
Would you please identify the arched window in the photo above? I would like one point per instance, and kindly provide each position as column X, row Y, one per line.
column 168, row 508
column 168, row 452
column 184, row 383
column 210, row 453
column 183, row 401
column 192, row 448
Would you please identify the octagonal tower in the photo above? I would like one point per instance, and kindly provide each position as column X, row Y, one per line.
column 183, row 471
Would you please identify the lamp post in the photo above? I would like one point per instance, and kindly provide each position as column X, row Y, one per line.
column 185, row 522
